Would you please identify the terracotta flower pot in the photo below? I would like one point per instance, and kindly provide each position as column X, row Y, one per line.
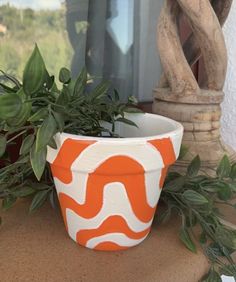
column 108, row 188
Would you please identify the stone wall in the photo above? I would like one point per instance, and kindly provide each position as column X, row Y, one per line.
column 229, row 104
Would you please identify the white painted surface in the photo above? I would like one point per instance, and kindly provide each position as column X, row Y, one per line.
column 120, row 206
column 227, row 279
column 229, row 104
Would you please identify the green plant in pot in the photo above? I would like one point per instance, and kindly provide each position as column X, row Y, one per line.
column 101, row 151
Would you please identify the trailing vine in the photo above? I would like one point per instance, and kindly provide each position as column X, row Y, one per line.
column 34, row 110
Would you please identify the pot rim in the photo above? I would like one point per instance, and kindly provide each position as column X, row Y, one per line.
column 175, row 132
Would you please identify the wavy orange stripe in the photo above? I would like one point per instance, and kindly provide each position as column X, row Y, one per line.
column 166, row 149
column 163, row 176
column 113, row 224
column 69, row 152
column 134, row 185
column 109, row 246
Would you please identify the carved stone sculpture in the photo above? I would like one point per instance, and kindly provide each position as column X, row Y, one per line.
column 179, row 95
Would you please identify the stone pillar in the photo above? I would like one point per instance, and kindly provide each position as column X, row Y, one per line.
column 179, row 95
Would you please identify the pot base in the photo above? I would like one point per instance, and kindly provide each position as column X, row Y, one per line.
column 109, row 246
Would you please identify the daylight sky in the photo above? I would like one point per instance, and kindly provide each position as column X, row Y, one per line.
column 34, row 4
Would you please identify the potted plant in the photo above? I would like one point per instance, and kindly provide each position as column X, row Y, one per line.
column 108, row 161
column 108, row 187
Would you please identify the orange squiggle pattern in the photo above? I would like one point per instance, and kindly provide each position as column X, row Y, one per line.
column 122, row 169
column 114, row 224
column 109, row 246
column 166, row 149
column 133, row 184
column 69, row 152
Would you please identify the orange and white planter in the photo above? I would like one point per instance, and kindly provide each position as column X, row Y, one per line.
column 108, row 188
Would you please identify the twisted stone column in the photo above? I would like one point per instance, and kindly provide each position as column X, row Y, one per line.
column 179, row 95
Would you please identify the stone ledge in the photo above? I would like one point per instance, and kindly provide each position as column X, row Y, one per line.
column 36, row 248
column 203, row 97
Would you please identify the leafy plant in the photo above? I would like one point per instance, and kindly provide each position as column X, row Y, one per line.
column 33, row 111
column 196, row 197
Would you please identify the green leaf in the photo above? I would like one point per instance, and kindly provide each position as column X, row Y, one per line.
column 54, row 90
column 50, row 81
column 53, row 198
column 21, row 117
column 39, row 115
column 224, row 168
column 64, row 75
column 203, row 238
column 172, row 175
column 45, row 132
column 10, row 105
column 233, row 172
column 35, row 72
column 3, row 145
column 199, row 179
column 24, row 191
column 38, row 161
column 64, row 97
column 194, row 198
column 100, row 90
column 39, row 186
column 12, row 79
column 226, row 237
column 215, row 250
column 212, row 276
column 38, row 200
column 224, row 191
column 27, row 144
column 191, row 220
column 133, row 100
column 127, row 121
column 229, row 270
column 210, row 188
column 71, row 86
column 23, row 160
column 7, row 89
column 165, row 216
column 183, row 151
column 8, row 202
column 186, row 239
column 53, row 143
column 194, row 167
column 80, row 83
column 133, row 110
column 175, row 185
column 116, row 96
column 59, row 120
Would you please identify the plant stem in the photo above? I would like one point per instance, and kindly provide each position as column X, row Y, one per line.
column 19, row 129
column 15, row 137
column 224, row 203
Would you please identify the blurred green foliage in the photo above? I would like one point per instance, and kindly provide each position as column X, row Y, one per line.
column 27, row 26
